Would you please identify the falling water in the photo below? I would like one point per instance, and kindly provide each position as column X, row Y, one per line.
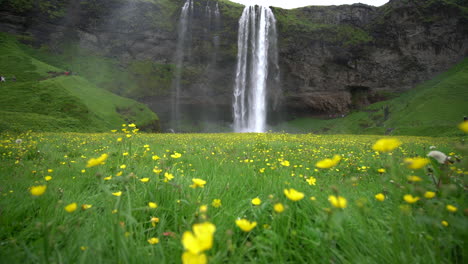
column 256, row 48
column 183, row 34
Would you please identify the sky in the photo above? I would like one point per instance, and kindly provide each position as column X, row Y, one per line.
column 300, row 3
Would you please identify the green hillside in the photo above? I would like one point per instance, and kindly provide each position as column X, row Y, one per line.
column 44, row 99
column 433, row 108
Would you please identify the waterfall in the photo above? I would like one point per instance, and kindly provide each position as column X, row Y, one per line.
column 183, row 36
column 257, row 49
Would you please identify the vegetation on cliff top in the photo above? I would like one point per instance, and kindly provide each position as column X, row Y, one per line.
column 433, row 108
column 44, row 99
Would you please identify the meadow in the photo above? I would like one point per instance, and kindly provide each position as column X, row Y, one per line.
column 129, row 197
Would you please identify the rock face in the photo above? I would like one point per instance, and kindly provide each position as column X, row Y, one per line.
column 332, row 59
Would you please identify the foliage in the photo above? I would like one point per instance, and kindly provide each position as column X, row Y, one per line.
column 43, row 97
column 127, row 198
column 433, row 108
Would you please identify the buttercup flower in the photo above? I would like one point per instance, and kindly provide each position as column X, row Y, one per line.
column 464, row 126
column 190, row 258
column 152, row 205
column 245, row 225
column 176, row 155
column 386, row 144
column 451, row 208
column 337, row 201
column 429, row 195
column 380, row 197
column 256, row 201
column 416, row 163
column 71, row 207
column 117, row 193
column 98, row 161
column 144, row 179
column 153, row 240
column 279, row 208
column 311, row 180
column 216, row 203
column 200, row 239
column 198, row 183
column 38, row 190
column 293, row 195
column 328, row 163
column 410, row 199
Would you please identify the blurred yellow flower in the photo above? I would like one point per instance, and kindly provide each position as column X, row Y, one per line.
column 410, row 199
column 464, row 126
column 198, row 183
column 98, row 161
column 444, row 223
column 48, row 178
column 451, row 208
column 386, row 144
column 381, row 170
column 216, row 203
column 153, row 240
column 71, row 207
column 285, row 163
column 203, row 209
column 123, row 166
column 86, row 206
column 380, row 197
column 117, row 193
column 429, row 195
column 154, row 221
column 190, row 258
column 107, row 178
column 155, row 157
column 200, row 239
column 414, row 178
column 337, row 201
column 256, row 201
column 144, row 179
column 279, row 208
column 416, row 163
column 311, row 180
column 328, row 163
column 38, row 190
column 245, row 225
column 293, row 195
column 152, row 205
column 176, row 155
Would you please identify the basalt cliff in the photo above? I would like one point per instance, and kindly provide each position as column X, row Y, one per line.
column 333, row 59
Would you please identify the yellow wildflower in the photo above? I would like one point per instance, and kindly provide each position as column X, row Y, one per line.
column 198, row 183
column 216, row 203
column 429, row 195
column 71, row 207
column 168, row 176
column 176, row 155
column 155, row 157
column 107, row 178
column 152, row 205
column 414, row 178
column 451, row 208
column 328, row 163
column 311, row 180
column 86, row 206
column 98, row 161
column 119, row 173
column 245, row 225
column 123, row 166
column 444, row 223
column 144, row 179
column 337, row 201
column 190, row 258
column 200, row 239
column 380, row 197
column 386, row 144
column 410, row 199
column 38, row 190
column 48, row 178
column 256, row 201
column 117, row 193
column 416, row 163
column 293, row 195
column 203, row 209
column 285, row 163
column 154, row 221
column 279, row 208
column 464, row 126
column 381, row 170
column 153, row 240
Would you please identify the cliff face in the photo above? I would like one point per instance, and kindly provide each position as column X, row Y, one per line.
column 332, row 59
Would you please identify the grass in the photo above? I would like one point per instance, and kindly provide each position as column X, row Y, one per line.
column 42, row 102
column 433, row 108
column 237, row 168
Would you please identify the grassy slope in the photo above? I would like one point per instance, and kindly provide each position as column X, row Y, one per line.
column 431, row 109
column 62, row 103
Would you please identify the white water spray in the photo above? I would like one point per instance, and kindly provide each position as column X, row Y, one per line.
column 256, row 47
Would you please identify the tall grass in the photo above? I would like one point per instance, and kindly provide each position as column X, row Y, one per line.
column 237, row 168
